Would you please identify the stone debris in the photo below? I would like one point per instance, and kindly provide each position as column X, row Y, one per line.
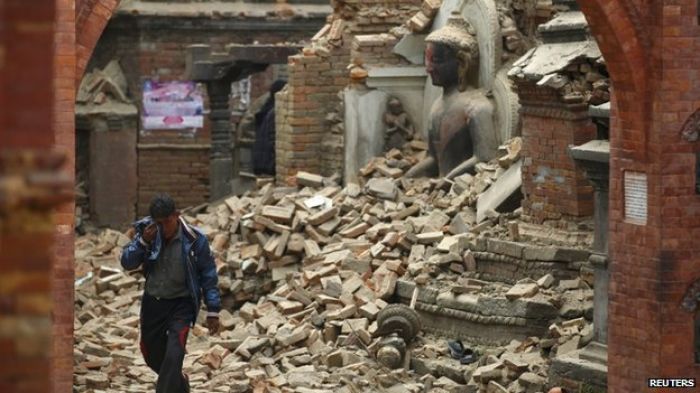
column 103, row 86
column 304, row 272
column 546, row 281
column 576, row 70
column 522, row 290
column 520, row 366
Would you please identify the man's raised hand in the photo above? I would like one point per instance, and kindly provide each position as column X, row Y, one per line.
column 149, row 234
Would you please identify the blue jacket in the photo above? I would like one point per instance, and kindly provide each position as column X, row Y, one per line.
column 200, row 269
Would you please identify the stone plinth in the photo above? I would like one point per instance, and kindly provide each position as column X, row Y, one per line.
column 594, row 158
column 586, row 369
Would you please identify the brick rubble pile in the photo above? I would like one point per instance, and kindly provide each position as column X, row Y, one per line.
column 304, row 272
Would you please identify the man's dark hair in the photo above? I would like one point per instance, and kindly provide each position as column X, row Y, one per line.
column 162, row 205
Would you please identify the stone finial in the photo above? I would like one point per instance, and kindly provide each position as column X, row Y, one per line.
column 457, row 34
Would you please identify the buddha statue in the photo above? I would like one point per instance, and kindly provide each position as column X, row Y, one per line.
column 461, row 130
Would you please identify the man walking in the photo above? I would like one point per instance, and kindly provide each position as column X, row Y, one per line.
column 180, row 272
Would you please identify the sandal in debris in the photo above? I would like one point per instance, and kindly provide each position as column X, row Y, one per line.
column 456, row 349
column 468, row 357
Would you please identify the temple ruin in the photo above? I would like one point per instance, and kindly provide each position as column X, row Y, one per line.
column 468, row 195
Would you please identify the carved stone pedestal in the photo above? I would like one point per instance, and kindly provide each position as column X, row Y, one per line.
column 586, row 369
column 221, row 164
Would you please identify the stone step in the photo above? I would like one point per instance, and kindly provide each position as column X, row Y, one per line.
column 595, row 352
column 572, row 368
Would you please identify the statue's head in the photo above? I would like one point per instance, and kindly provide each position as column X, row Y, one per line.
column 451, row 53
column 394, row 106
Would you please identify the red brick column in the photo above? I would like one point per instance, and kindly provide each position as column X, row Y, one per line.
column 88, row 19
column 553, row 185
column 26, row 99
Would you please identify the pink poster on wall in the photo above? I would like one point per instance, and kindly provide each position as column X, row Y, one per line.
column 172, row 105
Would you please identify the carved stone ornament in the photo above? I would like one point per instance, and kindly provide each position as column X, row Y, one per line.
column 691, row 298
column 691, row 128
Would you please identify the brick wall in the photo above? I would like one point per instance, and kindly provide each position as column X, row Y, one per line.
column 314, row 83
column 147, row 50
column 377, row 16
column 554, row 186
column 376, row 50
column 307, row 138
column 184, row 173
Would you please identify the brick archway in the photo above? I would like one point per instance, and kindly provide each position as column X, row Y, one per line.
column 617, row 29
column 649, row 51
column 91, row 19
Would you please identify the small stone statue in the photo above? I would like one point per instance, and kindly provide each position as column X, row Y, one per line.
column 461, row 129
column 399, row 128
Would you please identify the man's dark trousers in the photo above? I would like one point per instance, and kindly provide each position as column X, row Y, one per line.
column 165, row 324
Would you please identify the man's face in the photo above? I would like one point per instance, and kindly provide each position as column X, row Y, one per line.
column 168, row 225
column 442, row 65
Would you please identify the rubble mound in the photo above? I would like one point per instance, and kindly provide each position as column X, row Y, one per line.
column 308, row 273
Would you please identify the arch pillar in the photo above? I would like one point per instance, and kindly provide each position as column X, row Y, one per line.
column 653, row 254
